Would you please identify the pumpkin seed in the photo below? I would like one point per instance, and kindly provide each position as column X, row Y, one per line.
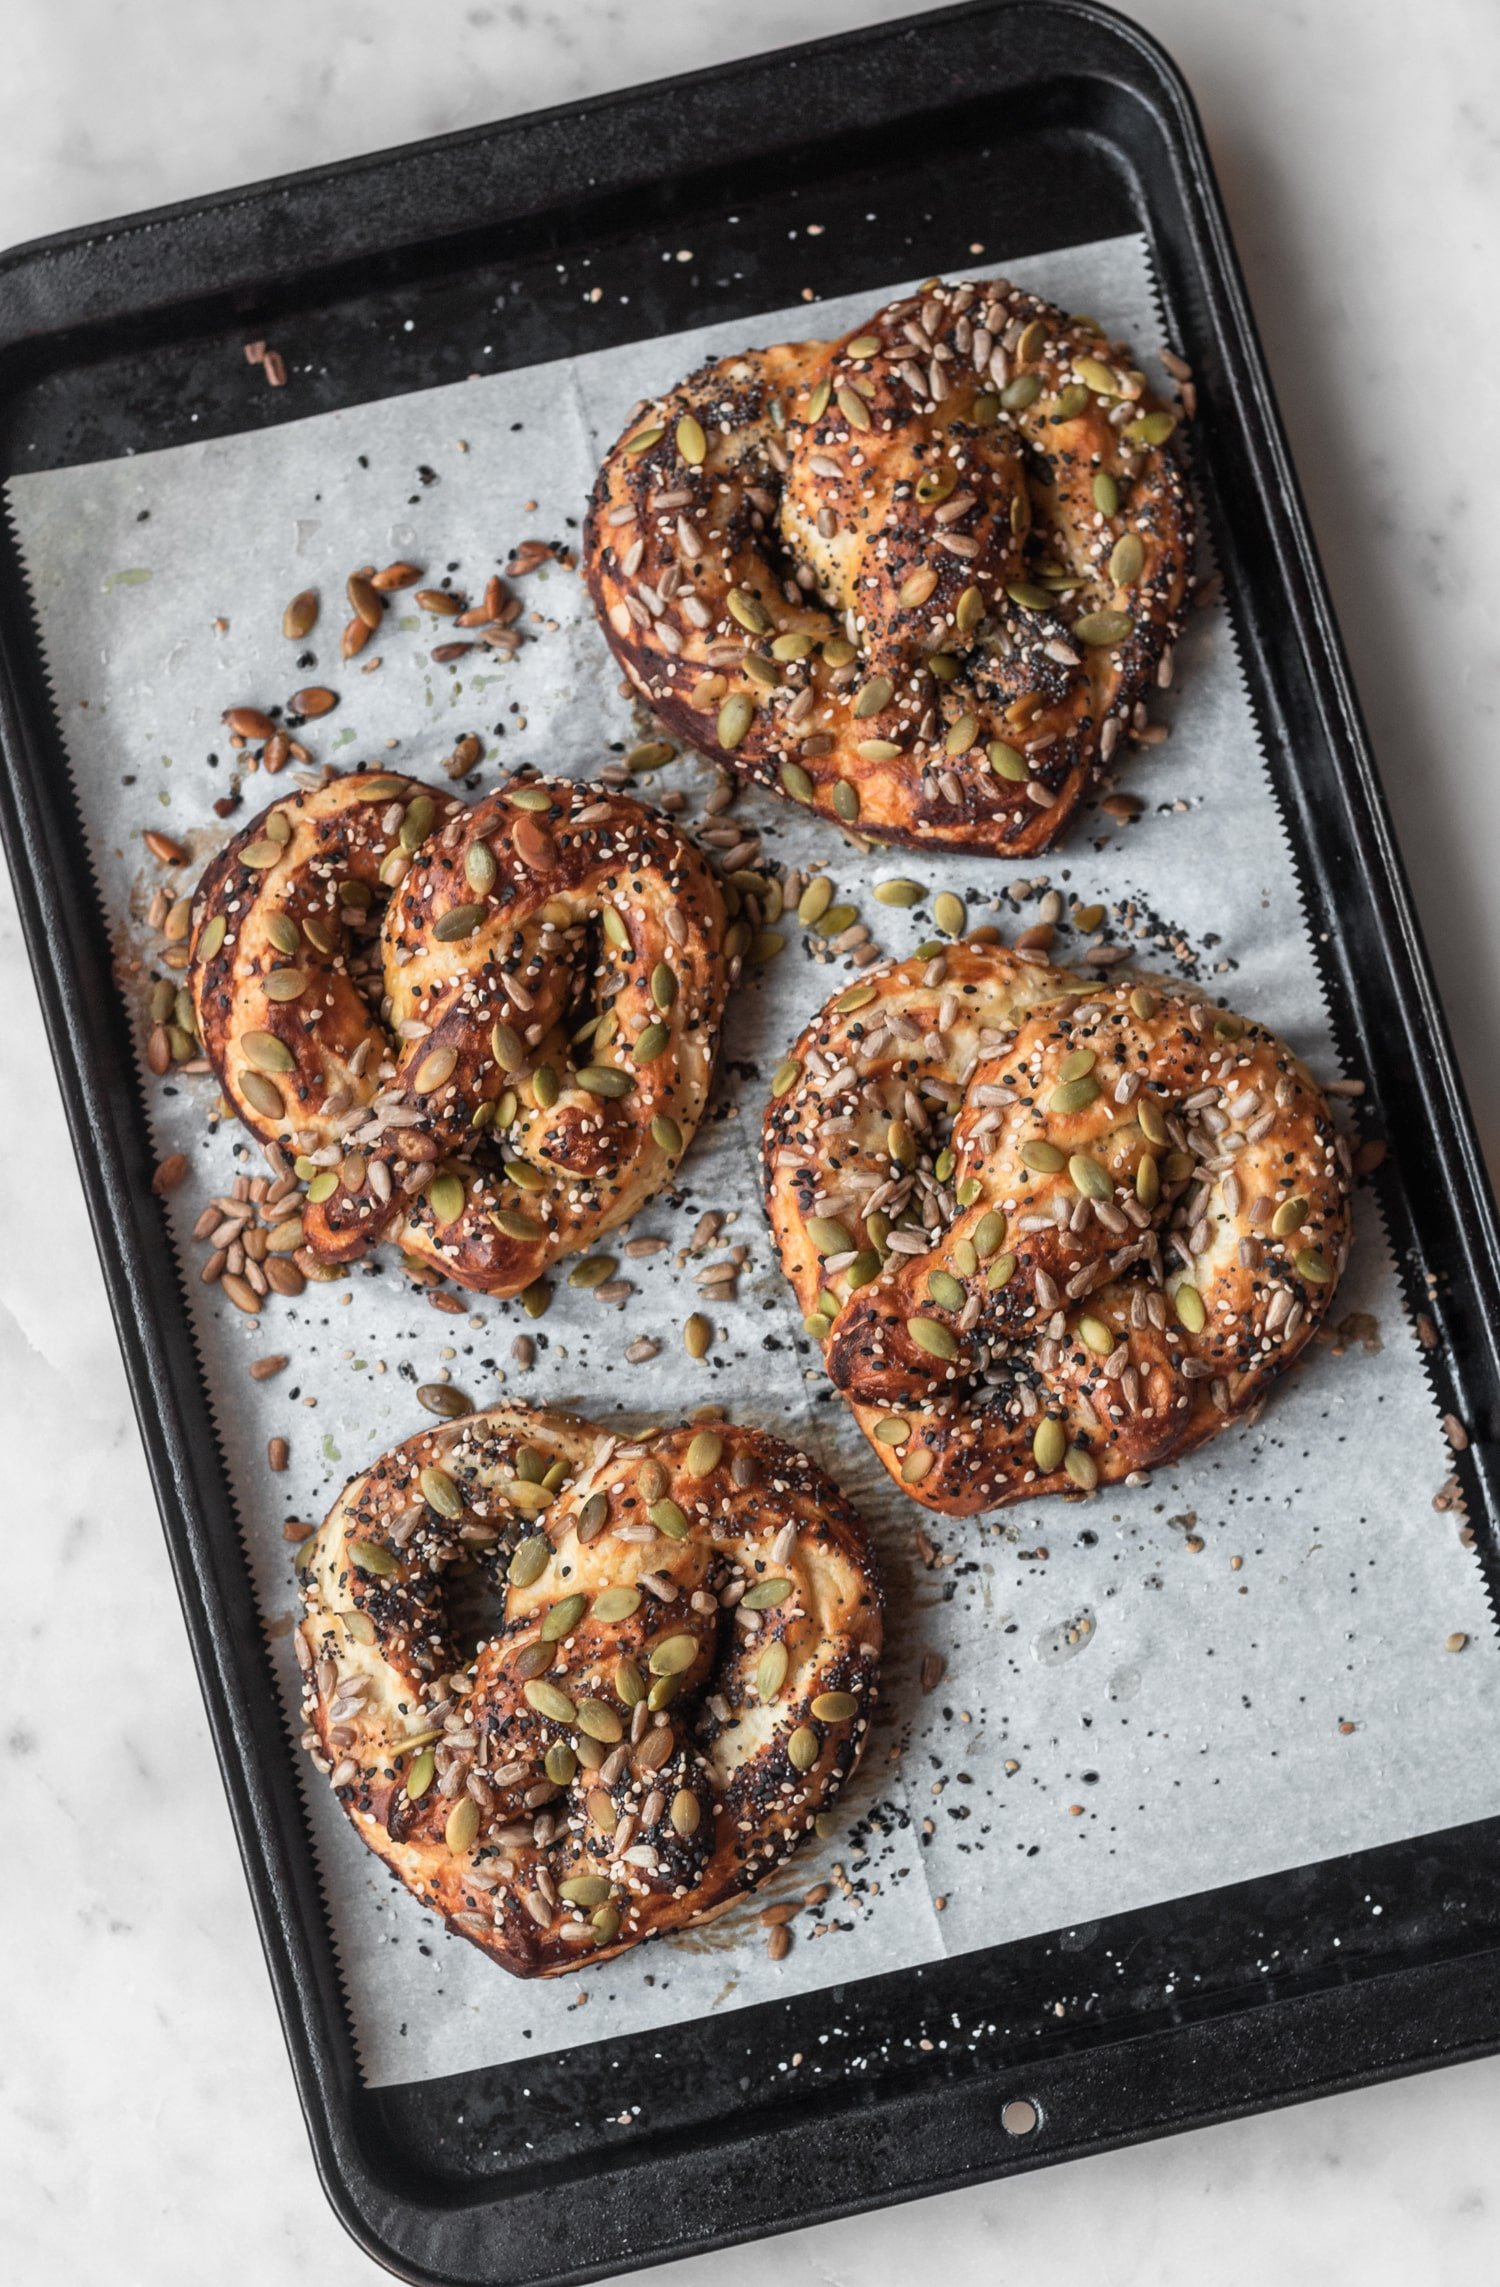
column 749, row 611
column 629, row 1683
column 691, row 442
column 459, row 921
column 1152, row 429
column 835, row 1707
column 853, row 407
column 598, row 1720
column 802, row 1748
column 529, row 798
column 549, row 1701
column 560, row 1763
column 1151, row 1120
column 697, row 1335
column 436, row 1067
column 644, row 439
column 515, row 1225
column 267, row 1053
column 529, row 1561
column 961, row 735
column 323, row 1186
column 828, row 1236
column 988, row 1233
column 1048, row 1445
column 1314, row 1267
column 418, row 821
column 663, row 985
column 666, row 1134
column 765, row 1595
column 969, row 610
column 893, row 1430
column 604, row 1080
column 942, row 666
column 899, row 891
column 374, row 1558
column 259, row 856
column 865, row 1266
column 673, row 1655
column 651, row 1043
column 949, row 913
column 1073, row 1095
column 616, row 1603
column 562, row 1617
column 1099, row 629
column 1001, row 1271
column 1106, row 494
column 1069, row 402
column 703, row 1454
column 1087, row 1174
column 1147, row 1180
column 937, row 484
column 1024, row 390
column 797, row 782
column 771, row 1671
column 792, row 646
column 440, row 1492
column 1096, row 375
column 1290, row 1216
column 877, row 750
column 593, row 1271
column 445, row 1196
column 262, row 1095
column 545, row 1087
column 917, row 587
column 946, row 1291
column 735, row 718
column 285, row 985
column 1041, row 1157
column 1126, row 559
column 1188, row 1303
column 838, row 651
column 845, row 800
column 421, row 1772
column 584, row 1889
column 1178, row 1166
column 931, row 1335
column 606, row 1926
column 1007, row 761
column 462, row 1825
column 872, row 697
column 1081, row 1467
column 1096, row 1335
column 668, row 1518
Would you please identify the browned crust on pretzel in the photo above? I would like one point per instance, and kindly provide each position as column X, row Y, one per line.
column 1075, row 1311
column 374, row 1586
column 670, row 540
column 400, row 1112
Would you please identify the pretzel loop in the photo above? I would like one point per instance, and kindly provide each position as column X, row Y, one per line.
column 680, row 1683
column 1050, row 1233
column 487, row 1033
column 920, row 579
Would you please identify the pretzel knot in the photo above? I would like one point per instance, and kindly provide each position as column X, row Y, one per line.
column 920, row 579
column 1048, row 1233
column 680, row 1684
column 487, row 1033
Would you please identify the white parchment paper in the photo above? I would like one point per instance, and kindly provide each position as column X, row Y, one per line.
column 1279, row 1693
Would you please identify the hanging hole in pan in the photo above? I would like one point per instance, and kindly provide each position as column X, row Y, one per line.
column 1021, row 2117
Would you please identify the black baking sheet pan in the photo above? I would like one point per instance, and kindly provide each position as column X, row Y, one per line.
column 1026, row 126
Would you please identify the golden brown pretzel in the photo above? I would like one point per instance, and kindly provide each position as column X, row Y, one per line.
column 503, row 1062
column 921, row 578
column 1048, row 1232
column 680, row 1684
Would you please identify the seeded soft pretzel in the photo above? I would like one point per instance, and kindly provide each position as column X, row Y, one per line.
column 921, row 578
column 680, row 1684
column 487, row 1033
column 1048, row 1232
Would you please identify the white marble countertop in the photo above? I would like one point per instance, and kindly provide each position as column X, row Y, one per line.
column 148, row 2127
